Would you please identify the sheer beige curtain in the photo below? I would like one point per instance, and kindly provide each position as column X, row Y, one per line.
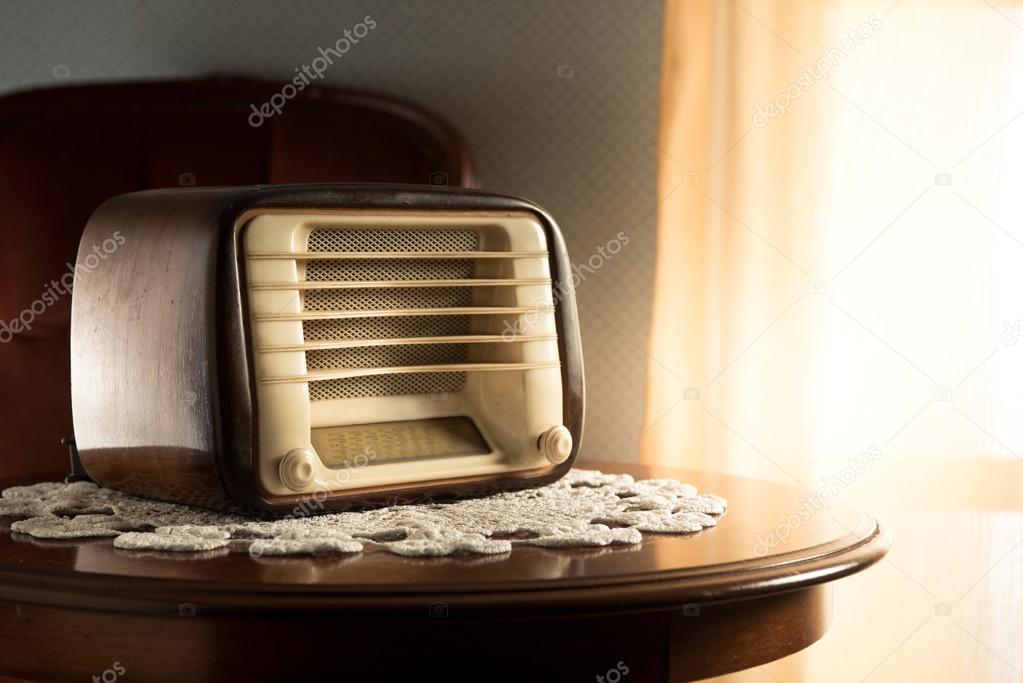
column 840, row 271
column 738, row 247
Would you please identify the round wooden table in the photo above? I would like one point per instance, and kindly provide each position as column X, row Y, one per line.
column 673, row 608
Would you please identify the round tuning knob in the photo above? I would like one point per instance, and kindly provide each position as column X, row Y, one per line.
column 556, row 444
column 298, row 469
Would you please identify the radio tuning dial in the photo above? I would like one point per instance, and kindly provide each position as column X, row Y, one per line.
column 298, row 469
column 556, row 444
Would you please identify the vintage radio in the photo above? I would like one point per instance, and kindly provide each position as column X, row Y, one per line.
column 317, row 347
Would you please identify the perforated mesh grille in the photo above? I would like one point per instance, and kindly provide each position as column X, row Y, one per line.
column 387, row 385
column 388, row 269
column 385, row 328
column 347, row 270
column 387, row 297
column 393, row 239
column 386, row 356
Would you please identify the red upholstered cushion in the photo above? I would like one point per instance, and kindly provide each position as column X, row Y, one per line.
column 64, row 151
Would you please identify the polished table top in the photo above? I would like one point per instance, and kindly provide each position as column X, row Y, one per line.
column 765, row 544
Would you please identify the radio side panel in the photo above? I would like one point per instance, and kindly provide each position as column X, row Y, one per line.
column 143, row 357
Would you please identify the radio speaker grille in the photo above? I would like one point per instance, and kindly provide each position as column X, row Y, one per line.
column 392, row 239
column 369, row 299
column 383, row 356
column 384, row 269
column 393, row 272
column 385, row 327
column 387, row 385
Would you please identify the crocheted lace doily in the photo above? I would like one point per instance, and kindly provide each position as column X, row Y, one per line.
column 584, row 508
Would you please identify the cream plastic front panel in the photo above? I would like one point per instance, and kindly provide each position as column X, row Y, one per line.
column 511, row 392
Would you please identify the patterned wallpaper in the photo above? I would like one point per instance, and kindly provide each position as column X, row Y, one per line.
column 557, row 99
